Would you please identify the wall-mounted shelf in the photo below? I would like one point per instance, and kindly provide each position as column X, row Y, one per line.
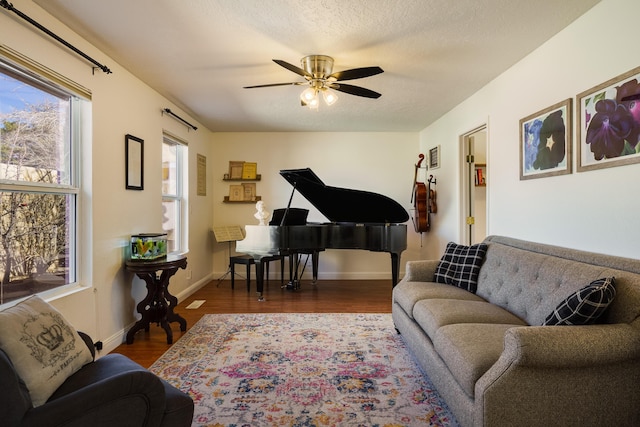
column 244, row 177
column 226, row 200
column 481, row 174
column 257, row 178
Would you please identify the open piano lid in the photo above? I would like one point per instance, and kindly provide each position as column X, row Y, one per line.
column 342, row 205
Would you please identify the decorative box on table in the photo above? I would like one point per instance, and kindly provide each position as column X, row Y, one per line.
column 148, row 246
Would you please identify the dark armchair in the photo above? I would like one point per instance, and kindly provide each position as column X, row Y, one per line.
column 110, row 391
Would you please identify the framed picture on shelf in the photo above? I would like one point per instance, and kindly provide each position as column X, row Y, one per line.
column 249, row 170
column 249, row 191
column 609, row 123
column 235, row 169
column 236, row 193
column 545, row 142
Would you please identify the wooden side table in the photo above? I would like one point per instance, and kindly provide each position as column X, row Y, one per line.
column 158, row 305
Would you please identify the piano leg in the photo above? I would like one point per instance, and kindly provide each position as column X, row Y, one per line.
column 395, row 268
column 315, row 258
column 259, row 278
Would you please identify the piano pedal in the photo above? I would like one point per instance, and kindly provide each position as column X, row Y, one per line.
column 293, row 285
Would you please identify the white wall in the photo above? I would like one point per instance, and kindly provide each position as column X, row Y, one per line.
column 121, row 104
column 595, row 210
column 378, row 162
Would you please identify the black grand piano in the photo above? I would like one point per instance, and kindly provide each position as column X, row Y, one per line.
column 359, row 220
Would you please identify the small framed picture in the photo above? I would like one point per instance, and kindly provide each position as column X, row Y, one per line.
column 249, row 191
column 134, row 162
column 434, row 157
column 201, row 175
column 235, row 169
column 249, row 170
column 236, row 193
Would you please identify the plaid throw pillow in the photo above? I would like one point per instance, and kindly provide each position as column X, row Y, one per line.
column 460, row 265
column 584, row 306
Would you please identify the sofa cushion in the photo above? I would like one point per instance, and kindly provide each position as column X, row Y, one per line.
column 460, row 265
column 43, row 347
column 584, row 306
column 407, row 294
column 470, row 349
column 531, row 284
column 432, row 314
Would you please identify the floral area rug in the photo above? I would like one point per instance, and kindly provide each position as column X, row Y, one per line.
column 301, row 370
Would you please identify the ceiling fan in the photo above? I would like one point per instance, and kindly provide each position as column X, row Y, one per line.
column 317, row 71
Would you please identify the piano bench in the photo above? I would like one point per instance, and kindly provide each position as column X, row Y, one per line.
column 248, row 261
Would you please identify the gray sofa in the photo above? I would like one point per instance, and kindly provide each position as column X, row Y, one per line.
column 492, row 361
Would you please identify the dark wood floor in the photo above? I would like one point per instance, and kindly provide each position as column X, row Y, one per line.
column 327, row 296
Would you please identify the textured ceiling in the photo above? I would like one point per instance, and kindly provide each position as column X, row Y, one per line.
column 200, row 53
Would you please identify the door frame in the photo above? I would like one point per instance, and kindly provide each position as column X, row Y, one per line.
column 467, row 183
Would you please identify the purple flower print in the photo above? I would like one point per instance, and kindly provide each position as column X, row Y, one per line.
column 608, row 129
column 631, row 89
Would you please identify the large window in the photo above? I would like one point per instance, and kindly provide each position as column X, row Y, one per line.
column 39, row 186
column 174, row 191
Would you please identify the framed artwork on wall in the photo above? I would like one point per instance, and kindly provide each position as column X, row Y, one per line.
column 201, row 175
column 134, row 162
column 609, row 123
column 545, row 142
column 434, row 157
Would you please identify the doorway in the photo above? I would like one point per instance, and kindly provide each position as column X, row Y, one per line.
column 474, row 183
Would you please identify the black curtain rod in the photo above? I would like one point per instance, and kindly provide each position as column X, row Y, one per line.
column 9, row 6
column 174, row 115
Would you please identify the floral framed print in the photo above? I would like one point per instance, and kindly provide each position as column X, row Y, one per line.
column 545, row 142
column 609, row 123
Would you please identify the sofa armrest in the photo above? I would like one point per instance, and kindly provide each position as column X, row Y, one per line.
column 571, row 346
column 563, row 375
column 134, row 398
column 420, row 271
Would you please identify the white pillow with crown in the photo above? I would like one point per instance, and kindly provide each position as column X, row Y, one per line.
column 43, row 347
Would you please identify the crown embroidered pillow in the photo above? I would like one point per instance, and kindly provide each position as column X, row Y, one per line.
column 43, row 347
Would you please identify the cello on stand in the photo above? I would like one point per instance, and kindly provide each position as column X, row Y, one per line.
column 423, row 199
column 419, row 199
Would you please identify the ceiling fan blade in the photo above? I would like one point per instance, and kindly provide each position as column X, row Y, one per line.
column 293, row 68
column 276, row 84
column 355, row 90
column 356, row 73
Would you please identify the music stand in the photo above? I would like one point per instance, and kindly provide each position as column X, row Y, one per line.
column 229, row 233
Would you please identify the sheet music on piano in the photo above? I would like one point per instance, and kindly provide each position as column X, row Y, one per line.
column 228, row 233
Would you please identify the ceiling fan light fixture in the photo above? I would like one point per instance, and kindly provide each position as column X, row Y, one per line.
column 318, row 73
column 314, row 102
column 308, row 95
column 329, row 96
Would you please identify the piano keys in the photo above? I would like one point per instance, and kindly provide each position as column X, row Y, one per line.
column 358, row 220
